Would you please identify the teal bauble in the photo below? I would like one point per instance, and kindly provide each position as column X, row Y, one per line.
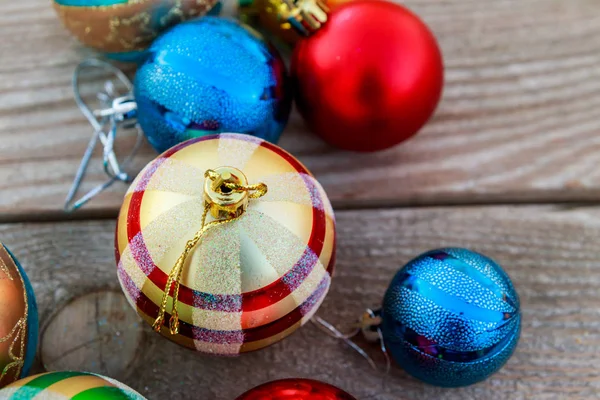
column 208, row 76
column 451, row 317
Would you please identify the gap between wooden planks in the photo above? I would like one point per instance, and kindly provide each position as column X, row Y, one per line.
column 519, row 121
column 550, row 252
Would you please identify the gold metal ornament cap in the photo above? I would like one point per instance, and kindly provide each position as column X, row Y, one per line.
column 225, row 202
column 292, row 19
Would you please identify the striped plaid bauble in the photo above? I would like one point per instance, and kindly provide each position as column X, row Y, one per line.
column 225, row 244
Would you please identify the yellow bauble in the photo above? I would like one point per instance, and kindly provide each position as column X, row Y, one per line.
column 225, row 244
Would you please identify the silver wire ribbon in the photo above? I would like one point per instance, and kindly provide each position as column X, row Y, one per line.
column 116, row 112
column 332, row 331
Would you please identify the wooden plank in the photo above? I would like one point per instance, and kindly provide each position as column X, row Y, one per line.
column 551, row 254
column 102, row 335
column 519, row 120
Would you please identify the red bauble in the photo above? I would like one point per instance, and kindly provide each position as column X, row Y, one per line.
column 370, row 77
column 296, row 389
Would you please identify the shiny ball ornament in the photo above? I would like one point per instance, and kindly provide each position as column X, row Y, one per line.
column 209, row 76
column 451, row 317
column 253, row 279
column 332, row 4
column 18, row 320
column 296, row 389
column 369, row 77
column 124, row 28
column 69, row 385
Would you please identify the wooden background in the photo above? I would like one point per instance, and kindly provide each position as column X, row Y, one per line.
column 508, row 167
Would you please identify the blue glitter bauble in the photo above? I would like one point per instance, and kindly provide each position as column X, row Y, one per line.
column 451, row 317
column 207, row 76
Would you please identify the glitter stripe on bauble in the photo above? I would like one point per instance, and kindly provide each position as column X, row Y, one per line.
column 249, row 283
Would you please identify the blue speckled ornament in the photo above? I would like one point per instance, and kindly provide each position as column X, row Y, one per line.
column 208, row 76
column 451, row 317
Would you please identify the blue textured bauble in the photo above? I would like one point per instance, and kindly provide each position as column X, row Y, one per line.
column 208, row 76
column 451, row 317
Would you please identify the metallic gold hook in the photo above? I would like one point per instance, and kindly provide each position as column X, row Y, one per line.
column 114, row 113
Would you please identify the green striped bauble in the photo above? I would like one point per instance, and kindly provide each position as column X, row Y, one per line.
column 68, row 385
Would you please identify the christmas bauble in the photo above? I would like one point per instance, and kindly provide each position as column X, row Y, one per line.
column 124, row 28
column 253, row 279
column 333, row 4
column 296, row 389
column 69, row 385
column 209, row 76
column 451, row 317
column 369, row 78
column 18, row 320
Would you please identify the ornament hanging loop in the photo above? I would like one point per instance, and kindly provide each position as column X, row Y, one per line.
column 122, row 109
column 226, row 195
column 369, row 324
column 115, row 112
column 227, row 192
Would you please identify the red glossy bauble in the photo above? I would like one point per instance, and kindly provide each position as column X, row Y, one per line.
column 296, row 389
column 370, row 78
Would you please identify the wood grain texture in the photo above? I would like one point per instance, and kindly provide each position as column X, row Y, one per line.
column 95, row 332
column 551, row 253
column 519, row 120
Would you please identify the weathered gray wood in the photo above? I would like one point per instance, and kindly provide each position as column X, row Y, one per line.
column 95, row 332
column 519, row 120
column 551, row 253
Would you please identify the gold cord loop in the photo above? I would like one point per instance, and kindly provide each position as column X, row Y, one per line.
column 258, row 190
column 224, row 184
